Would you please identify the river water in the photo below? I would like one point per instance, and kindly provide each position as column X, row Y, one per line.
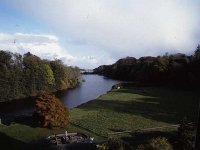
column 90, row 88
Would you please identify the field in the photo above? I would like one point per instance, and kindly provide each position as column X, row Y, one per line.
column 135, row 108
column 129, row 109
column 19, row 136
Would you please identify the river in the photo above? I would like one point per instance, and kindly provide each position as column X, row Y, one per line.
column 90, row 88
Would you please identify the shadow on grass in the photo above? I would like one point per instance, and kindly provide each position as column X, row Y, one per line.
column 144, row 137
column 81, row 146
column 159, row 107
column 145, row 109
column 116, row 130
column 8, row 143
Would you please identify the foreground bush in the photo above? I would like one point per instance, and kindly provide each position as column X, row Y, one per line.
column 50, row 112
column 185, row 136
column 113, row 144
column 156, row 144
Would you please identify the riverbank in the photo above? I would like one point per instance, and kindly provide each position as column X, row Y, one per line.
column 135, row 108
column 129, row 109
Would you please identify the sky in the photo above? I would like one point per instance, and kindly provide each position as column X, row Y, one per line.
column 89, row 33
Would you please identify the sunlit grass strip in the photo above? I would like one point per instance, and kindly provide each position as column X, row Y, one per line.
column 135, row 108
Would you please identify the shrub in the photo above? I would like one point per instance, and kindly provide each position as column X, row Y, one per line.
column 102, row 147
column 112, row 144
column 185, row 135
column 50, row 111
column 159, row 143
column 115, row 144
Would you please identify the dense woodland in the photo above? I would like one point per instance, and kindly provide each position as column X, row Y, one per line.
column 177, row 70
column 29, row 75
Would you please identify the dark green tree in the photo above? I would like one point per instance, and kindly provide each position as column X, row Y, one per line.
column 185, row 136
column 29, row 75
column 197, row 52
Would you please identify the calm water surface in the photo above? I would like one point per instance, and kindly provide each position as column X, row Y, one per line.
column 92, row 87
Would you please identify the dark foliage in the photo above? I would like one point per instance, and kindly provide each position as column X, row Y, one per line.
column 176, row 70
column 113, row 144
column 185, row 136
column 28, row 75
column 159, row 143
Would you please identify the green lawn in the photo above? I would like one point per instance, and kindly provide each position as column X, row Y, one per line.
column 125, row 109
column 20, row 136
column 135, row 108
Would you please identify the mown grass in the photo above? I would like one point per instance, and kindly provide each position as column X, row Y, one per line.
column 135, row 108
column 125, row 109
column 20, row 136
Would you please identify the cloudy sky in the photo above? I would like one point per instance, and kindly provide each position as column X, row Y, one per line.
column 89, row 33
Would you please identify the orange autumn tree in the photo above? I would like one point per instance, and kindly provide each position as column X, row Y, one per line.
column 50, row 111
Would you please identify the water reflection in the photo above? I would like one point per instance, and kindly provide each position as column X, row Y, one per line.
column 91, row 88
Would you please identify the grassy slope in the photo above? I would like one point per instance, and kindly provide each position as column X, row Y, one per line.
column 17, row 136
column 125, row 109
column 135, row 108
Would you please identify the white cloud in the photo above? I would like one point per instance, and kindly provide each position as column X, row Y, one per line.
column 121, row 28
column 35, row 38
column 45, row 46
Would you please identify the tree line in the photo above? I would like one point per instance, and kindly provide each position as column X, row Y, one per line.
column 29, row 75
column 177, row 70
